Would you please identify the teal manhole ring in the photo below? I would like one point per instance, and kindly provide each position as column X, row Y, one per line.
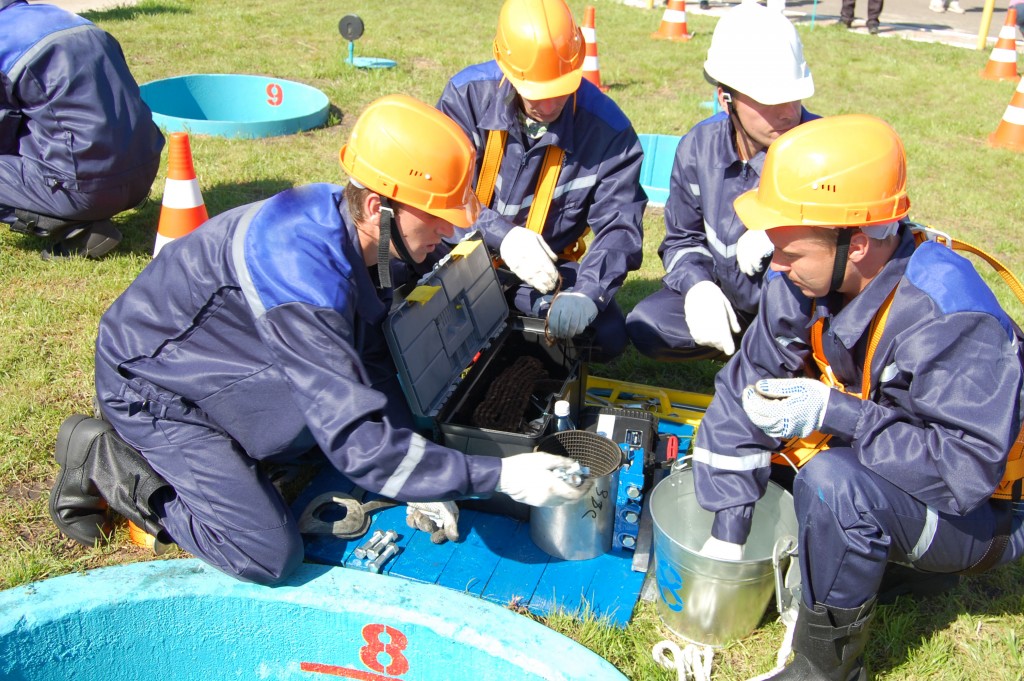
column 234, row 106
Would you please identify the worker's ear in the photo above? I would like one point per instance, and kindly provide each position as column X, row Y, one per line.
column 724, row 99
column 371, row 208
column 859, row 243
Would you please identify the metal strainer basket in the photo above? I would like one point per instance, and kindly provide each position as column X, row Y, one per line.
column 582, row 529
column 596, row 452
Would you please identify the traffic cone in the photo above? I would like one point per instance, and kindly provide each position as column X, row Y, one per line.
column 183, row 209
column 140, row 537
column 673, row 22
column 591, row 70
column 1002, row 63
column 1010, row 132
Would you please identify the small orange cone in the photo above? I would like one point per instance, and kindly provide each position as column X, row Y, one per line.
column 673, row 22
column 1002, row 63
column 183, row 209
column 591, row 69
column 140, row 537
column 1010, row 132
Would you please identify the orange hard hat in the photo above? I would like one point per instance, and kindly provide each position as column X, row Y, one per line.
column 409, row 151
column 539, row 48
column 840, row 171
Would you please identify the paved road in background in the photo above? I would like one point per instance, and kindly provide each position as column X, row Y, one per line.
column 909, row 19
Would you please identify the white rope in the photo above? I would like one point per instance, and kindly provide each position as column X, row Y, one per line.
column 783, row 655
column 692, row 663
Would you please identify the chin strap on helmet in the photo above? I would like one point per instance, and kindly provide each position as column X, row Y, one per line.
column 739, row 132
column 387, row 235
column 839, row 265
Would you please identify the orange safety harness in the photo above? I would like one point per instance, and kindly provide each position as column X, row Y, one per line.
column 798, row 451
column 550, row 168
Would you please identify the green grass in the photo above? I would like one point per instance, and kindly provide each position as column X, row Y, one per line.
column 931, row 94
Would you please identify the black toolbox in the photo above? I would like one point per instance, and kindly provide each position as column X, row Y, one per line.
column 484, row 381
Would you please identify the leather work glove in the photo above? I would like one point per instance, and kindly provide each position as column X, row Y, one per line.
column 439, row 518
column 570, row 313
column 721, row 550
column 710, row 316
column 530, row 258
column 753, row 250
column 531, row 479
column 786, row 407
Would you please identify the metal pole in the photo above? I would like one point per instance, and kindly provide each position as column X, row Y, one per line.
column 986, row 22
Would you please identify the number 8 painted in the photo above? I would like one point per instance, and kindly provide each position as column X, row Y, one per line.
column 393, row 649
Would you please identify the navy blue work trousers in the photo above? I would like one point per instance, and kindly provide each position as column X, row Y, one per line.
column 852, row 522
column 224, row 511
column 657, row 327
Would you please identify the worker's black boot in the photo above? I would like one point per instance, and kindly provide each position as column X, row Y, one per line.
column 900, row 580
column 87, row 240
column 100, row 473
column 74, row 238
column 828, row 644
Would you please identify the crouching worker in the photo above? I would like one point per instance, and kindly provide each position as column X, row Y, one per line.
column 557, row 160
column 920, row 397
column 259, row 337
column 77, row 143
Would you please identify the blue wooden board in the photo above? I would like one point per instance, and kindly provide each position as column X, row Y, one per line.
column 495, row 560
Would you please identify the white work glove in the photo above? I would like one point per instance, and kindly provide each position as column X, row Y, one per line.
column 439, row 518
column 753, row 250
column 570, row 313
column 531, row 479
column 721, row 550
column 530, row 258
column 786, row 407
column 710, row 316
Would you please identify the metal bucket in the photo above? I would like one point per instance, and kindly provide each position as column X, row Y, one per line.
column 583, row 529
column 706, row 600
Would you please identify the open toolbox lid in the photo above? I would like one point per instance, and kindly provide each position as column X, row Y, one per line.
column 454, row 312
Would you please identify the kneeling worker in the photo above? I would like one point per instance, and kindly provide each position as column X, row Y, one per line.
column 258, row 338
column 916, row 471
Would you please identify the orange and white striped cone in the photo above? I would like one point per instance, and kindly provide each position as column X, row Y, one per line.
column 673, row 22
column 139, row 537
column 1002, row 63
column 1010, row 132
column 591, row 68
column 183, row 209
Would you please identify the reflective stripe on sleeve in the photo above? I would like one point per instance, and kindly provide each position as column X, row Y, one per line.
column 683, row 251
column 412, row 458
column 747, row 462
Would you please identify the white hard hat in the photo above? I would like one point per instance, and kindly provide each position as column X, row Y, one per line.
column 756, row 51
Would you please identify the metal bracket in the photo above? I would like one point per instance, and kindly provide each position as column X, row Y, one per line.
column 354, row 523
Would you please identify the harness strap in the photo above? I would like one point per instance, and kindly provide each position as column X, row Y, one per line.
column 551, row 167
column 1000, row 538
column 493, row 152
column 799, row 450
column 923, row 233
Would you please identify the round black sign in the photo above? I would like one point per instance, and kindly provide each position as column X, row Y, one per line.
column 350, row 27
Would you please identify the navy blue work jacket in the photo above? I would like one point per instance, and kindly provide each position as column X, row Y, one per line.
column 267, row 320
column 701, row 227
column 69, row 102
column 945, row 402
column 599, row 184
